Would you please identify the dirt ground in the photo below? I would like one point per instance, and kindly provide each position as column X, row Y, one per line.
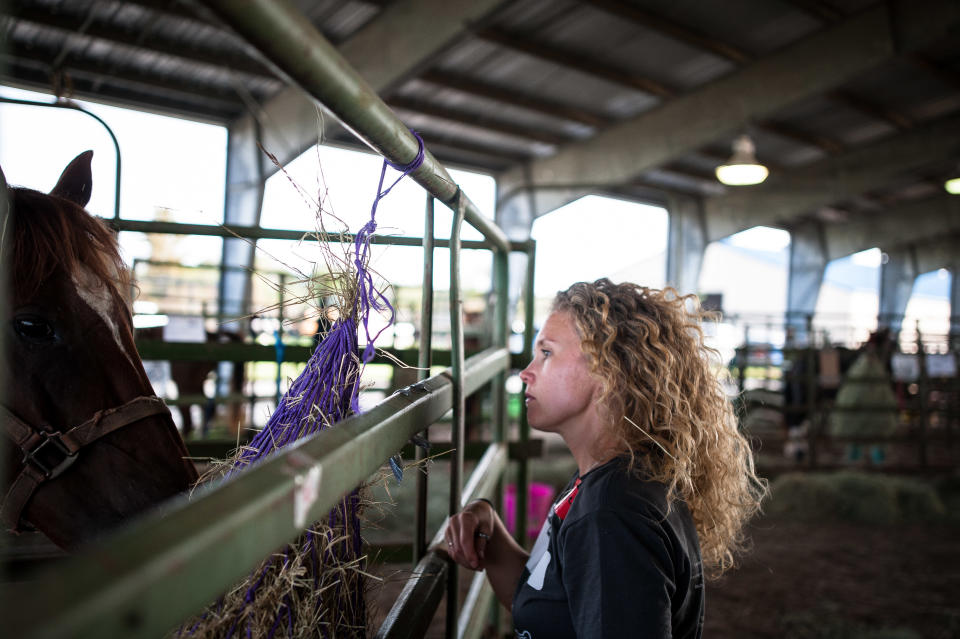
column 828, row 581
column 806, row 580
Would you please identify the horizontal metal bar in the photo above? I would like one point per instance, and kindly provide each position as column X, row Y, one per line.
column 472, row 451
column 416, row 606
column 288, row 40
column 260, row 233
column 476, row 607
column 480, row 368
column 154, row 349
column 123, row 587
column 483, row 480
column 413, row 609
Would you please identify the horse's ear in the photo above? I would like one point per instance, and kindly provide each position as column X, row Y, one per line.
column 76, row 181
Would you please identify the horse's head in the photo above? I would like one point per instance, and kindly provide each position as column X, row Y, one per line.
column 92, row 445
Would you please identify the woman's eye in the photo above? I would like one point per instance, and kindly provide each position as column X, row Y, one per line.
column 545, row 353
column 34, row 328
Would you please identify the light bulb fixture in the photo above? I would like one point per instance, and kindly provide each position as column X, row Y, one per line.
column 952, row 186
column 742, row 169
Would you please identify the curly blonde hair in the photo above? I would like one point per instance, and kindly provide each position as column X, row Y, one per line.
column 661, row 398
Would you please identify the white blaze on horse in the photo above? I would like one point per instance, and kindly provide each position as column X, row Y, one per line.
column 88, row 443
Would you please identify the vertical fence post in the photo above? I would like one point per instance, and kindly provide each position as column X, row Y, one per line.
column 742, row 354
column 279, row 335
column 812, row 386
column 923, row 388
column 6, row 222
column 424, row 360
column 501, row 333
column 523, row 466
column 457, row 437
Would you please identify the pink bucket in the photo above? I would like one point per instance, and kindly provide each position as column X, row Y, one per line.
column 538, row 505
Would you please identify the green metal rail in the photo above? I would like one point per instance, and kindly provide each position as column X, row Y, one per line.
column 259, row 233
column 290, row 42
column 145, row 579
column 148, row 578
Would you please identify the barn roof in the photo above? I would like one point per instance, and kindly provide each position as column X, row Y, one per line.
column 641, row 99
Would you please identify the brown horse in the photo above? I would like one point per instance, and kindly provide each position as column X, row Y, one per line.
column 92, row 444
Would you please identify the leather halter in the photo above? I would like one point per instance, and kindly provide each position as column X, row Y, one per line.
column 48, row 453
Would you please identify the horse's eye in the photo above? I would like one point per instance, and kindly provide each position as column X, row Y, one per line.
column 34, row 328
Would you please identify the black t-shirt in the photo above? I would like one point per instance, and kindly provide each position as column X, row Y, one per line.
column 612, row 563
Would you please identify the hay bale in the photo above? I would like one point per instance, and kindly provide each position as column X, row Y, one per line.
column 867, row 401
column 853, row 497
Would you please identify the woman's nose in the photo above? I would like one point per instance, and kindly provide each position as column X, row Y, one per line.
column 525, row 375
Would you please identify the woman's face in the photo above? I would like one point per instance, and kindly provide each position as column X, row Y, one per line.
column 560, row 392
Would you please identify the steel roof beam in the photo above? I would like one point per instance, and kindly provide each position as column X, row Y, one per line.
column 475, row 120
column 36, row 75
column 836, row 179
column 908, row 223
column 675, row 30
column 872, row 109
column 403, row 39
column 736, row 55
column 524, row 43
column 817, row 9
column 810, row 67
column 188, row 91
column 936, row 254
column 481, row 89
column 98, row 30
column 944, row 74
column 789, row 131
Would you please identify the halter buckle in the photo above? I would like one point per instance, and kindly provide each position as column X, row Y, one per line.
column 50, row 456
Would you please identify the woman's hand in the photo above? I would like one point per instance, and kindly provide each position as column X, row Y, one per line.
column 469, row 532
column 477, row 539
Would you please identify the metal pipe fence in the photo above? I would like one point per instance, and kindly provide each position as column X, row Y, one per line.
column 793, row 410
column 145, row 579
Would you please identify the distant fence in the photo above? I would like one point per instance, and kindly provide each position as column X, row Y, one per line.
column 787, row 397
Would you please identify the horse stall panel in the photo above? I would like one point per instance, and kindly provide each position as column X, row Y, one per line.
column 888, row 405
column 147, row 578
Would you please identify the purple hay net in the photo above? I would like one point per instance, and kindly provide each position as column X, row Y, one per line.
column 328, row 388
column 324, row 393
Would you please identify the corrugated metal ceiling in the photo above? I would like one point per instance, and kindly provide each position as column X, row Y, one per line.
column 530, row 79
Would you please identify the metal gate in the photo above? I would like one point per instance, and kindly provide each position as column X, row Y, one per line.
column 146, row 579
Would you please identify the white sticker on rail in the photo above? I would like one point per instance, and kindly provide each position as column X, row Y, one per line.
column 305, row 490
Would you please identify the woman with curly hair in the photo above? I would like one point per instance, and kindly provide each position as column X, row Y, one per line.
column 665, row 481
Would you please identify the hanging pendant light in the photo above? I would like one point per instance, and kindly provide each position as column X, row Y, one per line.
column 742, row 169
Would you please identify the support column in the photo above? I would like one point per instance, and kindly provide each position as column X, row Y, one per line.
column 808, row 262
column 686, row 243
column 245, row 184
column 955, row 304
column 897, row 276
column 244, row 198
column 521, row 204
column 515, row 216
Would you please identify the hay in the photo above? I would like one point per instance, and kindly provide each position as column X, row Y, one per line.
column 316, row 586
column 867, row 401
column 853, row 497
column 307, row 589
